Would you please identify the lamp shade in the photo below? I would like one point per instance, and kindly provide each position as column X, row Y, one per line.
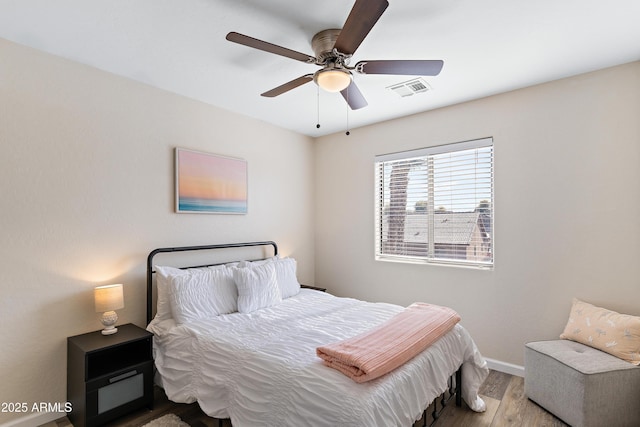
column 108, row 298
column 333, row 80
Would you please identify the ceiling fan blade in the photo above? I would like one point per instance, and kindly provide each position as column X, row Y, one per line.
column 269, row 47
column 288, row 86
column 354, row 97
column 410, row 67
column 361, row 19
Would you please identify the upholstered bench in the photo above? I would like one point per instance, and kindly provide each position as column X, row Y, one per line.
column 582, row 386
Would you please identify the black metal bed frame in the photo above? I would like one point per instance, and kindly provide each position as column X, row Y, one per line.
column 454, row 387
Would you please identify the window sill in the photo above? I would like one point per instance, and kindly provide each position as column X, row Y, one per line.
column 443, row 263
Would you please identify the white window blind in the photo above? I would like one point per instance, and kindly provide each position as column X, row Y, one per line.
column 436, row 204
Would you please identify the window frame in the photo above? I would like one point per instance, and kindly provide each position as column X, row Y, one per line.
column 427, row 156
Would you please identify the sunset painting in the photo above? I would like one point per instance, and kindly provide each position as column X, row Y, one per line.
column 208, row 183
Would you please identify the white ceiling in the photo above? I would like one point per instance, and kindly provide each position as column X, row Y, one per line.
column 488, row 47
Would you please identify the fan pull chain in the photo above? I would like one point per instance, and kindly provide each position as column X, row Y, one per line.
column 318, row 107
column 347, row 132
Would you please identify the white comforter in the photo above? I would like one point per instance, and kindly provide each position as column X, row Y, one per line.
column 261, row 368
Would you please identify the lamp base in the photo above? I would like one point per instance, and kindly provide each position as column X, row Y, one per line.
column 109, row 331
column 109, row 319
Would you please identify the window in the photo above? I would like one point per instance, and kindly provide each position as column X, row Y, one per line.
column 435, row 205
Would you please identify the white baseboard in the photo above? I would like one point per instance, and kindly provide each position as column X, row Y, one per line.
column 507, row 368
column 34, row 419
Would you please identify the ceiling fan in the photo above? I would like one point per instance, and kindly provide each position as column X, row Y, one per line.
column 334, row 48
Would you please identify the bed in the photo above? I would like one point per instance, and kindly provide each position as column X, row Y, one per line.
column 257, row 365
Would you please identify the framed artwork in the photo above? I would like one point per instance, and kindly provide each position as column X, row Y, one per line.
column 208, row 183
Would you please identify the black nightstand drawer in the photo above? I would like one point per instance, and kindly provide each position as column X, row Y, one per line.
column 117, row 376
column 118, row 393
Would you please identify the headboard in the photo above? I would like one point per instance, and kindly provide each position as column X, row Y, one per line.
column 192, row 249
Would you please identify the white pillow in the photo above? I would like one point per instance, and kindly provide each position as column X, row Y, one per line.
column 163, row 276
column 285, row 273
column 225, row 299
column 286, row 277
column 202, row 294
column 257, row 287
column 213, row 284
column 245, row 263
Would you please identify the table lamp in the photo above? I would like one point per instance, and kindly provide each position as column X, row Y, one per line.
column 108, row 298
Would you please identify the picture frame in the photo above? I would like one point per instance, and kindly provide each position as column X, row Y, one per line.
column 210, row 183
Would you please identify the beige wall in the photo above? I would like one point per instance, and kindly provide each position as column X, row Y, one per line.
column 86, row 191
column 567, row 204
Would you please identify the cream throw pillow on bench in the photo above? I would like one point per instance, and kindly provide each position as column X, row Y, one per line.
column 614, row 333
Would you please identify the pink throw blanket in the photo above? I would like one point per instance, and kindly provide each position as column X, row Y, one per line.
column 384, row 348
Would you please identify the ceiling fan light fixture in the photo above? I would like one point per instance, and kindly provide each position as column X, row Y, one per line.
column 333, row 80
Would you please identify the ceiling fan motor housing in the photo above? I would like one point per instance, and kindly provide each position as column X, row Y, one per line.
column 322, row 44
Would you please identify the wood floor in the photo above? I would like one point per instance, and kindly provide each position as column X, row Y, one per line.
column 504, row 395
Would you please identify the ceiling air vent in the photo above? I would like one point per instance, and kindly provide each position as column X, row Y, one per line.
column 410, row 87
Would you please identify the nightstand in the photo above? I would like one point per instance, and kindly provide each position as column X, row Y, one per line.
column 109, row 375
column 315, row 288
